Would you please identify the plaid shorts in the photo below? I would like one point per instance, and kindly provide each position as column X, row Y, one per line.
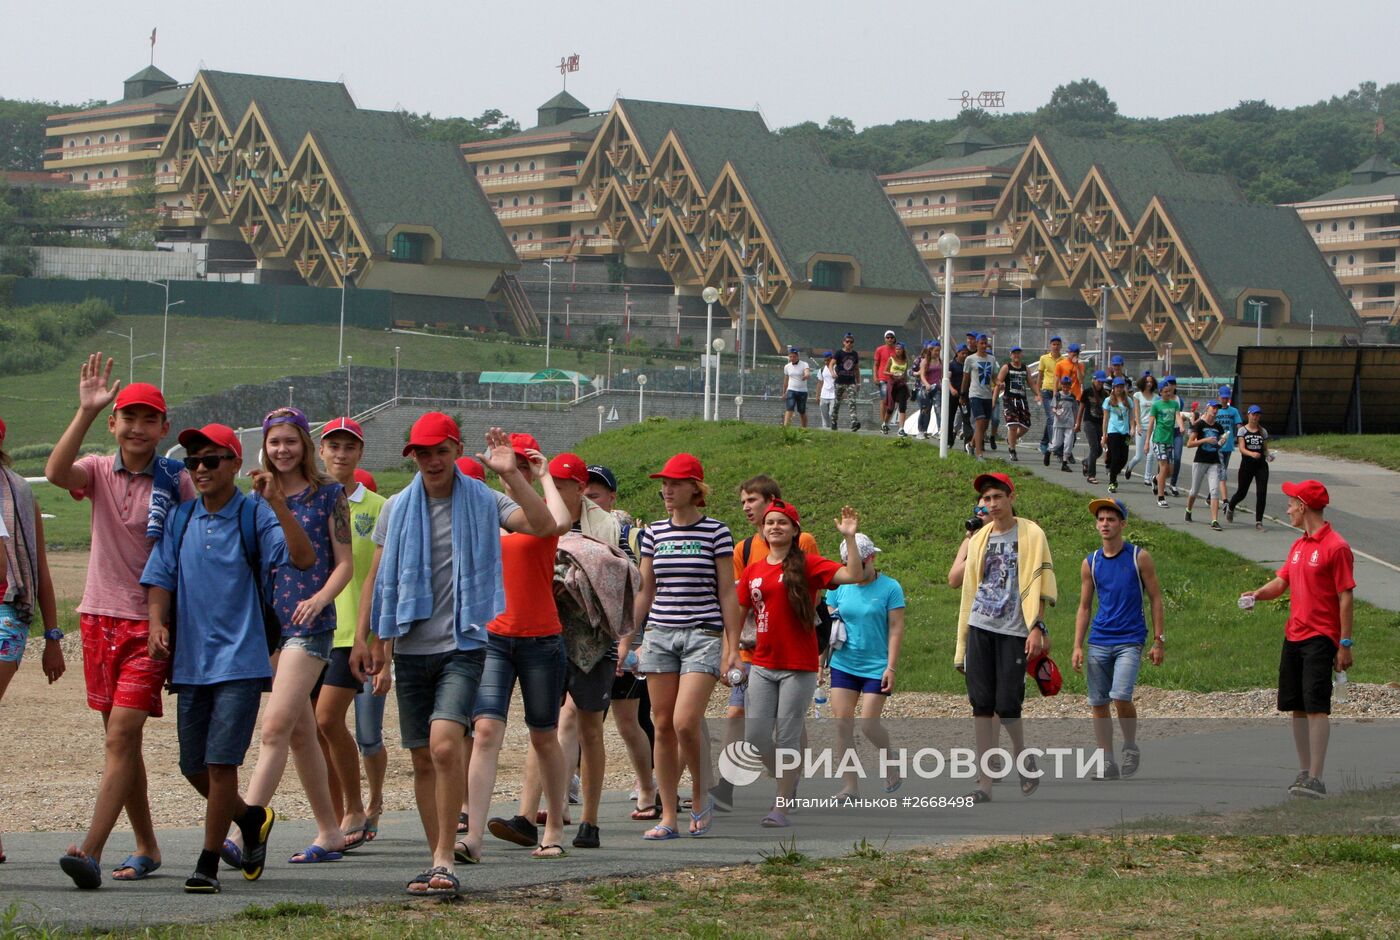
column 117, row 668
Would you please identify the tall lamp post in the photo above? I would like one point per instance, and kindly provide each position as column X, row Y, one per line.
column 718, row 346
column 396, row 373
column 610, row 347
column 641, row 404
column 344, row 280
column 348, row 360
column 548, row 308
column 1258, row 306
column 165, row 326
column 948, row 245
column 131, row 356
column 709, row 295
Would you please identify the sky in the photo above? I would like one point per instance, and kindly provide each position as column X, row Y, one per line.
column 795, row 60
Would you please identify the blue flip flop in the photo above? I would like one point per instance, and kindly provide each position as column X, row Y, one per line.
column 231, row 854
column 314, row 854
column 666, row 833
column 142, row 865
column 83, row 869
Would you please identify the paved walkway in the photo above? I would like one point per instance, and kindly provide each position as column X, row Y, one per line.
column 1221, row 771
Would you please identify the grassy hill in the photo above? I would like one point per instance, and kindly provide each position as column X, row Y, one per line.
column 206, row 355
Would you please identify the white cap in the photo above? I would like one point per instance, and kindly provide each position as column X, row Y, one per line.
column 889, row 332
column 863, row 545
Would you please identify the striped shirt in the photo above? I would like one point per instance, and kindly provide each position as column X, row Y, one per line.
column 683, row 560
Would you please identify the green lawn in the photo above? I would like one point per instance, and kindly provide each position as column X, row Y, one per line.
column 1380, row 449
column 206, row 355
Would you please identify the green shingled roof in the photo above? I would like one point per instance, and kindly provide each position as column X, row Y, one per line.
column 391, row 180
column 585, row 126
column 1388, row 185
column 291, row 106
column 564, row 100
column 1005, row 156
column 151, row 74
column 809, row 207
column 1240, row 246
column 710, row 136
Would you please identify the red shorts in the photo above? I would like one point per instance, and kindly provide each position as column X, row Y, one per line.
column 116, row 665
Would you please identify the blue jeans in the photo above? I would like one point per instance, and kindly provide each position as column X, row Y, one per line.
column 929, row 398
column 1178, row 441
column 1045, row 405
column 215, row 723
column 540, row 664
column 1111, row 672
column 435, row 687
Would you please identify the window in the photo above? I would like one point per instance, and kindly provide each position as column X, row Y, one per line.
column 514, row 236
column 500, row 203
column 99, row 174
column 1332, row 261
column 1318, row 228
column 1350, row 292
column 501, row 168
column 408, row 246
column 485, row 171
column 1351, row 259
column 70, row 177
column 996, row 265
column 532, row 164
column 71, row 141
column 116, row 138
column 596, row 230
column 908, row 203
column 892, row 203
column 942, row 200
column 101, row 138
column 515, row 200
column 116, row 173
column 1334, row 226
column 828, row 275
column 515, row 168
column 925, row 200
column 165, row 168
column 87, row 141
column 923, row 236
column 1351, row 225
column 530, row 200
column 996, row 230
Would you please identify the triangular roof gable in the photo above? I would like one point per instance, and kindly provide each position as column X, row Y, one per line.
column 1183, row 333
column 1095, row 179
column 1157, row 209
column 672, row 143
column 731, row 175
column 253, row 116
column 616, row 117
column 1035, row 149
column 669, row 224
column 197, row 87
column 353, row 219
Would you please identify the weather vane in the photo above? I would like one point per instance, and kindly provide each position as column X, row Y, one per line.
column 983, row 99
column 568, row 64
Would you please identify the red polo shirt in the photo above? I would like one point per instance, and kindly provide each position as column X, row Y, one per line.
column 1317, row 569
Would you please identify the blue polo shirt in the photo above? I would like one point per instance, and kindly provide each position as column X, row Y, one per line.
column 218, row 621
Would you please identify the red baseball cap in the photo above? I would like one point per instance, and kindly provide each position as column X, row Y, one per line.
column 220, row 435
column 348, row 425
column 1046, row 674
column 1312, row 493
column 569, row 467
column 472, row 468
column 784, row 507
column 520, row 443
column 140, row 393
column 984, row 478
column 682, row 467
column 2, row 429
column 367, row 479
column 431, row 430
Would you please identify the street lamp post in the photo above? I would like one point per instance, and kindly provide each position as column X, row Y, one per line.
column 548, row 308
column 718, row 346
column 567, row 302
column 1103, row 324
column 948, row 245
column 709, row 295
column 165, row 326
column 348, row 360
column 610, row 347
column 1021, row 312
column 290, row 390
column 131, row 357
column 344, row 280
column 1258, row 306
column 600, row 419
column 396, row 373
column 641, row 390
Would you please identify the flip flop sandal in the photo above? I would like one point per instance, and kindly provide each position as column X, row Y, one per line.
column 1029, row 784
column 372, row 826
column 462, row 856
column 980, row 796
column 231, row 854
column 422, row 878
column 650, row 813
column 666, row 834
column 351, row 842
column 461, row 823
column 83, row 869
column 142, row 867
column 255, row 853
column 708, row 815
column 202, row 884
column 550, row 848
column 776, row 819
column 314, row 855
column 448, row 875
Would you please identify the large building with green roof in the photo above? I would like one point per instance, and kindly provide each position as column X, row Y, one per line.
column 288, row 179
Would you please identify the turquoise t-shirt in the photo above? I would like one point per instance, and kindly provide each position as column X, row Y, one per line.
column 865, row 609
column 1228, row 419
column 1119, row 417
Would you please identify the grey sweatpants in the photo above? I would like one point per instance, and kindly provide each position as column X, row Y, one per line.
column 775, row 708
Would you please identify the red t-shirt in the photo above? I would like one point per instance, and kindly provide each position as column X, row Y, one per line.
column 1317, row 569
column 883, row 354
column 782, row 642
column 527, row 565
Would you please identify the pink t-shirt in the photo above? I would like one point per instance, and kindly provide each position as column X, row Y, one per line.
column 121, row 502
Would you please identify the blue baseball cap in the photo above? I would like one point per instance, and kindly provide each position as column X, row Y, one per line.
column 1119, row 380
column 1227, row 392
column 1168, row 380
column 1074, row 347
column 982, row 336
column 601, row 474
column 1056, row 339
column 972, row 333
column 1116, row 360
column 962, row 347
column 1115, row 504
column 1212, row 404
column 1100, row 375
column 793, row 349
column 930, row 343
column 849, row 336
column 1254, row 410
column 828, row 355
column 1066, row 380
column 1015, row 348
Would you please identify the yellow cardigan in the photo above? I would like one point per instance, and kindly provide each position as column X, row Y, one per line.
column 1035, row 576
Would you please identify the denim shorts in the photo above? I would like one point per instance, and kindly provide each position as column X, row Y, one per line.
column 369, row 719
column 435, row 687
column 540, row 664
column 1111, row 672
column 840, row 679
column 980, row 408
column 796, row 401
column 687, row 649
column 14, row 633
column 215, row 723
column 317, row 646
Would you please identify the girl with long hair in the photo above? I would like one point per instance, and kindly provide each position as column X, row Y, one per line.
column 1143, row 400
column 305, row 605
column 1254, row 466
column 898, row 397
column 1120, row 422
column 782, row 590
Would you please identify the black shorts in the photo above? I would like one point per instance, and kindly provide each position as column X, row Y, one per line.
column 1016, row 412
column 1305, row 676
column 995, row 670
column 338, row 674
column 592, row 690
column 628, row 686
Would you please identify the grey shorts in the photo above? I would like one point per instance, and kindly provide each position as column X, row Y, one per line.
column 687, row 649
column 317, row 646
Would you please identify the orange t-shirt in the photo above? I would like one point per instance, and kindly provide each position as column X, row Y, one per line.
column 758, row 551
column 527, row 566
column 1072, row 369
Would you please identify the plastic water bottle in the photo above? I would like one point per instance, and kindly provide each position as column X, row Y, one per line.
column 1246, row 602
column 818, row 703
column 1339, row 687
column 630, row 663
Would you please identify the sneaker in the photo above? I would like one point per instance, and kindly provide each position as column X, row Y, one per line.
column 1071, row 459
column 903, row 433
column 1146, row 481
column 1113, row 487
column 587, row 837
column 1312, row 788
column 1047, row 457
column 968, row 447
column 1132, row 760
column 1014, row 458
column 1229, row 513
column 722, row 793
column 1163, row 503
column 1215, row 524
column 1064, row 466
column 855, row 425
column 1173, row 489
column 1045, row 448
column 992, row 443
column 884, row 427
column 1299, row 780
column 1188, row 515
column 517, row 830
column 1109, row 772
column 574, row 787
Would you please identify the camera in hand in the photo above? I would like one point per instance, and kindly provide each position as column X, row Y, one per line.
column 978, row 520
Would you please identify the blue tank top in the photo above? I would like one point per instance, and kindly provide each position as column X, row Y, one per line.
column 1119, row 618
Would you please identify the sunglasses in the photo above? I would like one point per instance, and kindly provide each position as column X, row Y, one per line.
column 208, row 461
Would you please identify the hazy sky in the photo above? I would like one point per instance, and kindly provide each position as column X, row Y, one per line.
column 796, row 60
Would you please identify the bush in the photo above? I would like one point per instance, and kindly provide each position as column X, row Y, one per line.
column 7, row 289
column 34, row 339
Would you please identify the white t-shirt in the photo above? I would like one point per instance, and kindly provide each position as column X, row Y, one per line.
column 796, row 373
column 828, row 376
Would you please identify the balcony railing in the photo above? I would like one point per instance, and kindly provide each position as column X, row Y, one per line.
column 102, row 150
column 544, row 208
column 1335, row 238
column 930, row 246
column 956, row 207
column 527, row 176
column 1367, row 270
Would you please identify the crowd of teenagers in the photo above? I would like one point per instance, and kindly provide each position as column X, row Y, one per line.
column 1124, row 422
column 312, row 596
